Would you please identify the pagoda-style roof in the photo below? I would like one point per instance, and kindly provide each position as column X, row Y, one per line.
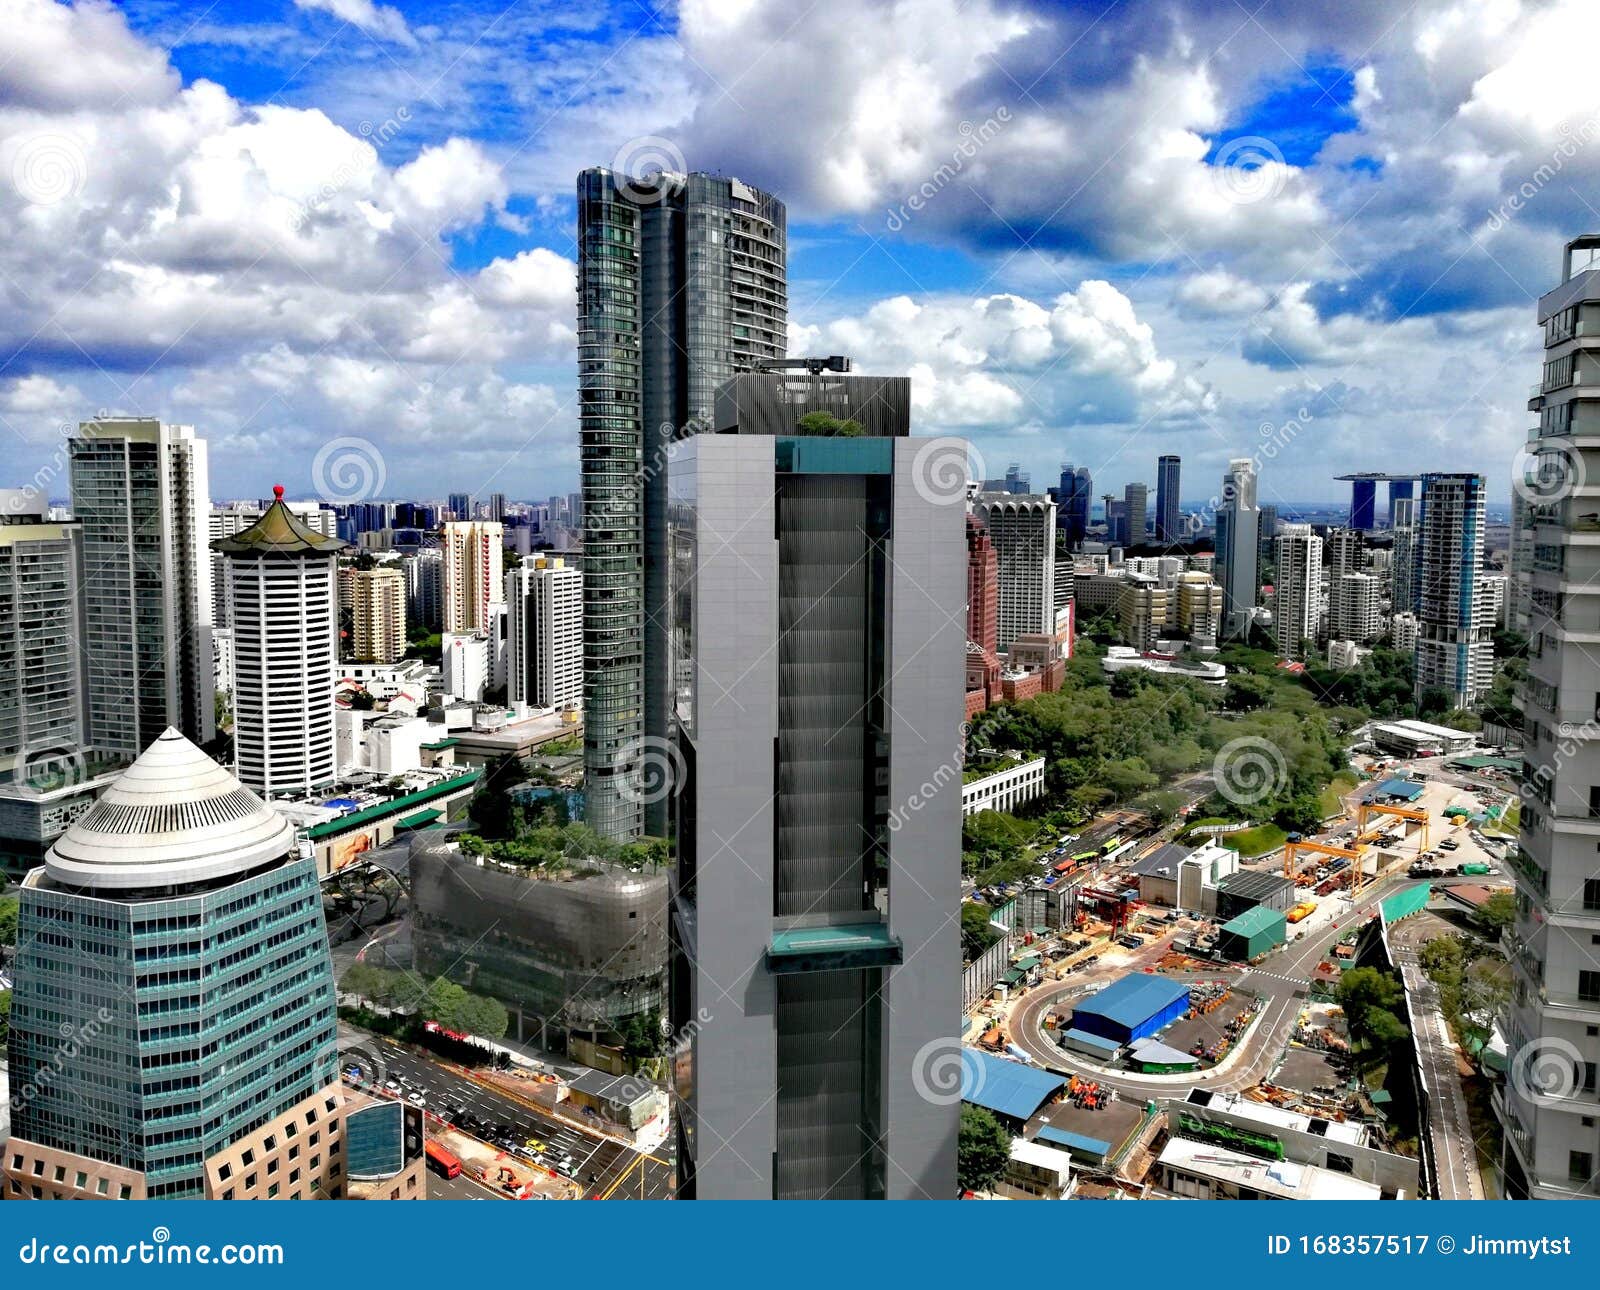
column 279, row 532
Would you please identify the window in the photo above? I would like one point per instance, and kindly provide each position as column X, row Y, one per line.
column 1591, row 893
column 1589, row 986
column 101, row 1186
column 1580, row 1166
column 272, row 1192
column 224, row 1171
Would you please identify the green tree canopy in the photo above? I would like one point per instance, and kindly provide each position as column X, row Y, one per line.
column 982, row 1150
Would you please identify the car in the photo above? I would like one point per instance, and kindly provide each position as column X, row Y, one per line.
column 391, row 1085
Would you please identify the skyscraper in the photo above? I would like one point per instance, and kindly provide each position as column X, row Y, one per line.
column 424, row 574
column 818, row 590
column 41, row 634
column 681, row 282
column 460, row 506
column 378, row 614
column 1547, row 1106
column 1346, row 551
column 1238, row 529
column 283, row 605
column 544, row 603
column 473, row 577
column 225, row 521
column 1136, row 507
column 1022, row 529
column 983, row 588
column 1075, row 501
column 1167, row 474
column 1454, row 650
column 140, row 490
column 1297, row 593
column 175, row 935
column 1403, row 561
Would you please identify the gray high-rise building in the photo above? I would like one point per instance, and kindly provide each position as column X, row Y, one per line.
column 1454, row 619
column 1238, row 546
column 819, row 585
column 1136, row 510
column 1548, row 1105
column 1168, row 468
column 1403, row 558
column 682, row 281
column 140, row 491
column 1075, row 499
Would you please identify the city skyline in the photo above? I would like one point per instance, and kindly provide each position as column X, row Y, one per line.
column 1039, row 334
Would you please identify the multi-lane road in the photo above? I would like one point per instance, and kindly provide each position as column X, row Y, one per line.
column 606, row 1168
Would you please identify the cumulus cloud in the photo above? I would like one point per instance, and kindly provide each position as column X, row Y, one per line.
column 378, row 19
column 1008, row 365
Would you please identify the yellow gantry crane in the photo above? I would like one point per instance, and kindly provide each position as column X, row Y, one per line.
column 1410, row 814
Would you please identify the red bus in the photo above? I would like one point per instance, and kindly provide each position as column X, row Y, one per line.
column 441, row 1161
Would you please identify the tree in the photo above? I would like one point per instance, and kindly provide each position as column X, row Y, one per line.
column 481, row 1015
column 977, row 933
column 982, row 1150
column 365, row 981
column 1371, row 1000
column 362, row 701
column 641, row 1035
column 9, row 906
column 825, row 423
column 492, row 809
column 1246, row 693
column 5, row 1016
column 1499, row 911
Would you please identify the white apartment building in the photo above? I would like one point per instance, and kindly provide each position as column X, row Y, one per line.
column 1004, row 790
column 1298, row 591
column 1022, row 528
column 544, row 640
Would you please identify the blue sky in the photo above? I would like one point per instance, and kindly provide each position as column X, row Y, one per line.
column 1089, row 233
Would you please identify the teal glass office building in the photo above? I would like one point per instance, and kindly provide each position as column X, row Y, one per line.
column 173, row 990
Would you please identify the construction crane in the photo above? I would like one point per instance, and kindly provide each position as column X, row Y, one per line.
column 1295, row 845
column 1410, row 814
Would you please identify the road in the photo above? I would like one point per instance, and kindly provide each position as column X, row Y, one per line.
column 608, row 1169
column 1449, row 1128
column 1280, row 982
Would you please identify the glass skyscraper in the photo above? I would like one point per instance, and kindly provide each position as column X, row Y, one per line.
column 681, row 283
column 173, row 996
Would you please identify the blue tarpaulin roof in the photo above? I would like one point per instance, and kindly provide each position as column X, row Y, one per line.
column 1093, row 1148
column 1132, row 1000
column 1006, row 1088
column 1400, row 788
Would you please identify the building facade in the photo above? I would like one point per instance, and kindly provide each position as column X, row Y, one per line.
column 818, row 598
column 284, row 615
column 1238, row 536
column 1021, row 528
column 1136, row 513
column 544, row 640
column 1454, row 650
column 140, row 492
column 1168, row 470
column 378, row 614
column 1551, row 1114
column 1075, row 500
column 682, row 280
column 473, row 574
column 1297, row 602
column 175, row 935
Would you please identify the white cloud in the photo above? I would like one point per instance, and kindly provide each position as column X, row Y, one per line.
column 380, row 20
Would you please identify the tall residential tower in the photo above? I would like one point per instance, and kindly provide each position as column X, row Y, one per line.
column 681, row 282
